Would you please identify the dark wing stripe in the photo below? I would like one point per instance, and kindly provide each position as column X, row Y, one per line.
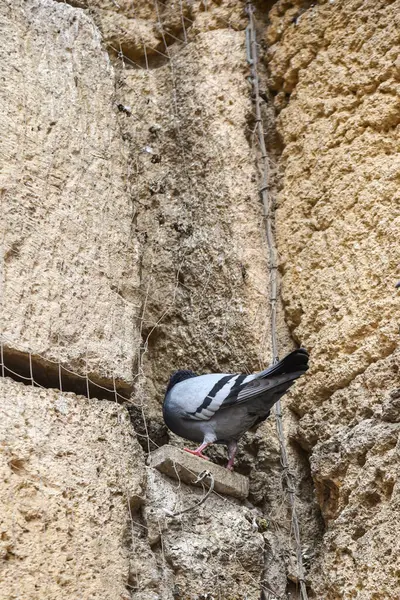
column 211, row 395
column 240, row 380
column 236, row 389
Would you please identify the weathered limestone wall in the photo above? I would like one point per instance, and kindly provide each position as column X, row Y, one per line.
column 69, row 257
column 192, row 146
column 133, row 245
column 335, row 73
column 70, row 468
column 82, row 517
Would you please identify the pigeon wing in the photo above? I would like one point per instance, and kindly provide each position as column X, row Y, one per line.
column 247, row 391
column 214, row 398
column 259, row 387
column 286, row 371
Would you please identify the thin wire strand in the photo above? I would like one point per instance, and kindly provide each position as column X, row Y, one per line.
column 251, row 44
column 196, row 506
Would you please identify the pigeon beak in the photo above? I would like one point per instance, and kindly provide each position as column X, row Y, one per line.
column 397, row 284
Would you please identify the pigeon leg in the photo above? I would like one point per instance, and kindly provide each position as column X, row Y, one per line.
column 198, row 451
column 232, row 447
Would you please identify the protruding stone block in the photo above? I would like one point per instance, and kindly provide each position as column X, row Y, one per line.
column 185, row 467
column 71, row 472
column 69, row 258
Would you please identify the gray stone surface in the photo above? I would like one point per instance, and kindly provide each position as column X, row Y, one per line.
column 185, row 467
column 213, row 551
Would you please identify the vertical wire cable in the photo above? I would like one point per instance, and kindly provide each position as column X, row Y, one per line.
column 251, row 48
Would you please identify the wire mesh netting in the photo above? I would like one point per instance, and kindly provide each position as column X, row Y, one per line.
column 122, row 256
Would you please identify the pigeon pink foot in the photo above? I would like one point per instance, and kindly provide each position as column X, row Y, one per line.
column 198, row 451
column 232, row 447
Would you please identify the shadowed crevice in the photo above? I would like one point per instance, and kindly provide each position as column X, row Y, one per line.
column 31, row 369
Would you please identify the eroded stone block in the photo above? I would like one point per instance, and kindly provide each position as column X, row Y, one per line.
column 69, row 257
column 185, row 467
column 71, row 472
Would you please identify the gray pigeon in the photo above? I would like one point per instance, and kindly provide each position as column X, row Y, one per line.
column 219, row 408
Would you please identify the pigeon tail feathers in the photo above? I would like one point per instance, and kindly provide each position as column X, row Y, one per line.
column 295, row 361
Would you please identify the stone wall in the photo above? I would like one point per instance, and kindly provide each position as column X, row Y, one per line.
column 133, row 244
column 70, row 260
column 70, row 469
column 334, row 72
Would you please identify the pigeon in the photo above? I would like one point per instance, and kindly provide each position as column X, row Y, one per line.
column 219, row 408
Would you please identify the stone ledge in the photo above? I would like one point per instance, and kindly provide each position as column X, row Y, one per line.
column 185, row 467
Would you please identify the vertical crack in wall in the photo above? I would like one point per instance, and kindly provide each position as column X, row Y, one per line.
column 301, row 481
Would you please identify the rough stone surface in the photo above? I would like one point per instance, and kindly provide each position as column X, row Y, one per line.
column 69, row 469
column 199, row 218
column 355, row 465
column 133, row 235
column 200, row 221
column 163, row 155
column 185, row 467
column 216, row 550
column 338, row 211
column 334, row 71
column 69, row 281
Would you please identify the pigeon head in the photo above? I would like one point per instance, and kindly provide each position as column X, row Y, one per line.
column 178, row 376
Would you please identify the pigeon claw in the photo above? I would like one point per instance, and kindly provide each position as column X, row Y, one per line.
column 196, row 453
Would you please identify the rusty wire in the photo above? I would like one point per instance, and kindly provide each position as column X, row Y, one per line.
column 252, row 58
